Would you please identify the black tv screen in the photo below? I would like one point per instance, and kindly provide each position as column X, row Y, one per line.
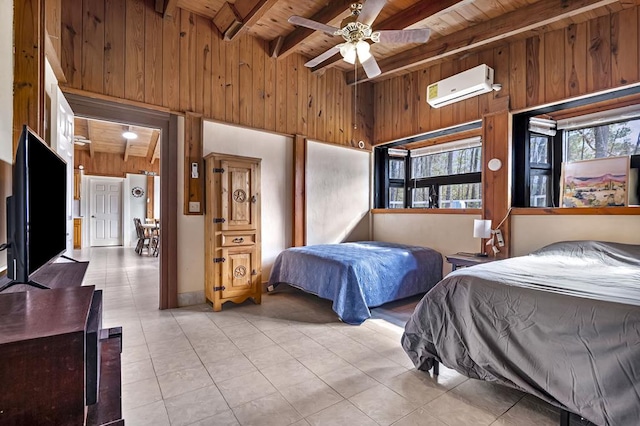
column 37, row 210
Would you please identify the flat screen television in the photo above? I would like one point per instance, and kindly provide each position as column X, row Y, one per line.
column 37, row 208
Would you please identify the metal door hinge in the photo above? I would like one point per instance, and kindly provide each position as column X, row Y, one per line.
column 215, row 170
column 219, row 288
column 219, row 220
column 219, row 259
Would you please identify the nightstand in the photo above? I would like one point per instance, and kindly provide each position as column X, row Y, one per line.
column 460, row 260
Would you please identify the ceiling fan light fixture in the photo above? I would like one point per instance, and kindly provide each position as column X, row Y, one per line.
column 129, row 135
column 363, row 48
column 348, row 52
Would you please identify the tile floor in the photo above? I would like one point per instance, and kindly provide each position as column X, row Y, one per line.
column 288, row 361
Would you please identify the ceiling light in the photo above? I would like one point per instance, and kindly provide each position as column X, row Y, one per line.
column 363, row 50
column 129, row 135
column 348, row 52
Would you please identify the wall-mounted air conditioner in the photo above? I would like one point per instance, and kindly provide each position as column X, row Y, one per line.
column 466, row 84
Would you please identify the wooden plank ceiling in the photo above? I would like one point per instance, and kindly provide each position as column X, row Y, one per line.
column 449, row 20
column 102, row 136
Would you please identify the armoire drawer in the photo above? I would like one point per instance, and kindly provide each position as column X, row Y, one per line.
column 244, row 239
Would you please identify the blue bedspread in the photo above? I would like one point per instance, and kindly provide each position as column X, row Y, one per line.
column 357, row 276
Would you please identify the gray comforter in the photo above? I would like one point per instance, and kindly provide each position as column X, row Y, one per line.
column 562, row 324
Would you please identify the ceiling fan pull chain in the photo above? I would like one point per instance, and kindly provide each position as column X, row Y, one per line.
column 355, row 96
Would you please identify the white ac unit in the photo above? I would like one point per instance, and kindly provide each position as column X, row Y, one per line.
column 472, row 82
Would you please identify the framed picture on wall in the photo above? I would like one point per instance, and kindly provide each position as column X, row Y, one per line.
column 603, row 182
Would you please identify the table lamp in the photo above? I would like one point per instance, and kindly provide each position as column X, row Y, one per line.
column 481, row 229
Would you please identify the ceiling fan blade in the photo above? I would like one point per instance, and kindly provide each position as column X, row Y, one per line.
column 370, row 11
column 323, row 57
column 401, row 36
column 314, row 25
column 371, row 67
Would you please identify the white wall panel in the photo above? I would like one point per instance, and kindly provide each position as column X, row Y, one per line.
column 338, row 183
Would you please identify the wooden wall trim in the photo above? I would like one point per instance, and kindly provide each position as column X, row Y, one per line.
column 496, row 199
column 299, row 234
column 102, row 97
column 150, row 197
column 575, row 211
column 28, row 68
column 193, row 150
column 427, row 211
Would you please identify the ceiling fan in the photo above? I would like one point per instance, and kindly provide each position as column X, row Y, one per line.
column 355, row 29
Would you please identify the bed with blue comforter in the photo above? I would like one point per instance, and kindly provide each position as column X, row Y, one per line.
column 360, row 275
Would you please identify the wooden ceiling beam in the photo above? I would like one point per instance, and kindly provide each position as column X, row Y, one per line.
column 233, row 18
column 153, row 144
column 536, row 15
column 414, row 14
column 300, row 34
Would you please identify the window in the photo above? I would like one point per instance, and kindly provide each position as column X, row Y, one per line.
column 440, row 176
column 539, row 155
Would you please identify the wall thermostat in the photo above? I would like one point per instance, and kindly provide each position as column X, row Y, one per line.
column 194, row 170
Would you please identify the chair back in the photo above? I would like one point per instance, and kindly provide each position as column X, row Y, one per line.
column 139, row 228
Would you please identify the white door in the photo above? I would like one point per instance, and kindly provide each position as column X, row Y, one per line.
column 106, row 213
column 62, row 135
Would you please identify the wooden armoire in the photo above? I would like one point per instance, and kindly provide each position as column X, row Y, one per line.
column 233, row 263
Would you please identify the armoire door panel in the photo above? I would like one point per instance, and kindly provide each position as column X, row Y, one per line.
column 238, row 271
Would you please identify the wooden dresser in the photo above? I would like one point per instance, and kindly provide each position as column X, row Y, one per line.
column 233, row 263
column 59, row 367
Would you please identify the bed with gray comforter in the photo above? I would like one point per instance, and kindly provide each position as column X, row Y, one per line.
column 562, row 323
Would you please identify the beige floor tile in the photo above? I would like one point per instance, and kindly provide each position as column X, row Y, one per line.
column 341, row 414
column 135, row 371
column 226, row 318
column 239, row 330
column 167, row 363
column 491, row 397
column 529, row 413
column 454, row 411
column 420, row 417
column 414, row 388
column 310, row 396
column 196, row 405
column 348, row 381
column 352, row 352
column 140, row 393
column 271, row 410
column 243, row 389
column 301, row 347
column 302, row 422
column 135, row 353
column 153, row 414
column 266, row 357
column 380, row 368
column 282, row 335
column 179, row 382
column 383, row 405
column 252, row 342
column 216, row 351
column 171, row 346
column 323, row 362
column 229, row 368
column 226, row 418
column 287, row 374
column 447, row 379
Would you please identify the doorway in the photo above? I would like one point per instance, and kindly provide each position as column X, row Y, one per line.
column 101, row 109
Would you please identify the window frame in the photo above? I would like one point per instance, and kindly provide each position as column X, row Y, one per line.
column 523, row 170
column 383, row 183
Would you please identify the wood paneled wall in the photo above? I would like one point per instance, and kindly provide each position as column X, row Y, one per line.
column 103, row 164
column 584, row 58
column 123, row 48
